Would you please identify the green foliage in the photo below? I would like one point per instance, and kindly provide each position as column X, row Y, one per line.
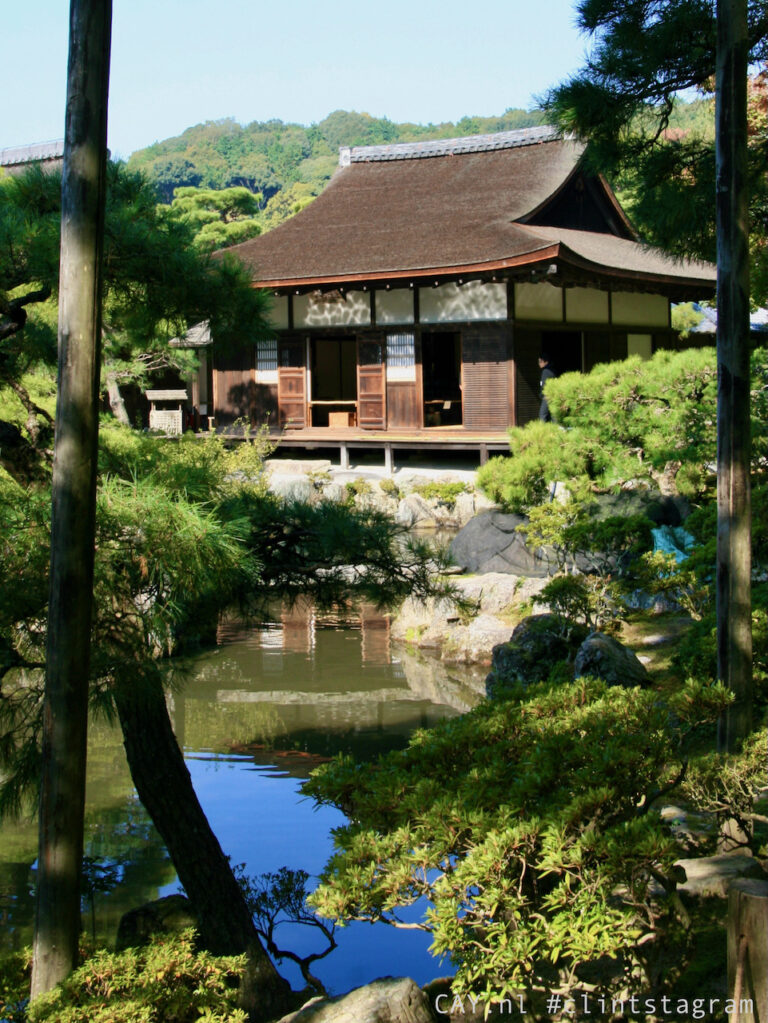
column 156, row 285
column 218, row 217
column 531, row 826
column 603, row 548
column 443, row 493
column 625, row 101
column 685, row 317
column 650, row 423
column 576, row 598
column 15, row 979
column 390, row 488
column 184, row 529
column 655, row 420
column 539, row 453
column 168, row 981
column 691, row 584
column 358, row 488
column 287, row 165
column 724, row 785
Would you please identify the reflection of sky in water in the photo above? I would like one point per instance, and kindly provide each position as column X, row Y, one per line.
column 281, row 695
column 262, row 820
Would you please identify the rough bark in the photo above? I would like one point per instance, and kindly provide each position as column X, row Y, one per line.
column 165, row 788
column 734, row 564
column 116, row 402
column 65, row 711
column 34, row 413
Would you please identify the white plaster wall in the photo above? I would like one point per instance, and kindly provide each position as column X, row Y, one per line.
column 586, row 305
column 640, row 344
column 452, row 303
column 638, row 310
column 332, row 309
column 394, row 306
column 278, row 314
column 538, row 302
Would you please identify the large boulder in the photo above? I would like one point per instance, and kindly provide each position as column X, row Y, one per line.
column 534, row 648
column 171, row 914
column 604, row 657
column 490, row 543
column 387, row 1000
column 661, row 509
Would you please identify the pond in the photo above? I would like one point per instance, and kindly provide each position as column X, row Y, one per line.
column 254, row 716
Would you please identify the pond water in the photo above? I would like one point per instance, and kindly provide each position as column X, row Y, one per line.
column 254, row 716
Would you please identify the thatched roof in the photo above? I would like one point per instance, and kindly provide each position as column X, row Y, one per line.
column 479, row 205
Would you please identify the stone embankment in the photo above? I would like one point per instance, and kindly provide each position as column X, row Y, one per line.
column 465, row 630
column 415, row 498
column 504, row 577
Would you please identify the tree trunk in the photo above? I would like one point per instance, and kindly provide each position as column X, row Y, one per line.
column 32, row 410
column 734, row 559
column 65, row 711
column 165, row 788
column 116, row 402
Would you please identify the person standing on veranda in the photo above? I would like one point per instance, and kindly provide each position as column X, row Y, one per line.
column 547, row 373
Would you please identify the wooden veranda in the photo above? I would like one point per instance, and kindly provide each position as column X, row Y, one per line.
column 446, row 440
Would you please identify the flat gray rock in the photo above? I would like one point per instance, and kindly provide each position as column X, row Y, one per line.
column 387, row 1000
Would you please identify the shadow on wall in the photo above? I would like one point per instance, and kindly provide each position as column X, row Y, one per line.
column 256, row 403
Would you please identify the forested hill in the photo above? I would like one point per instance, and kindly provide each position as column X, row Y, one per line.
column 287, row 165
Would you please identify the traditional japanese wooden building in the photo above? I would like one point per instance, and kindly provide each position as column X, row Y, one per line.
column 413, row 297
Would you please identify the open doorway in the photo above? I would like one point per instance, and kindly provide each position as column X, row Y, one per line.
column 334, row 381
column 564, row 349
column 441, row 362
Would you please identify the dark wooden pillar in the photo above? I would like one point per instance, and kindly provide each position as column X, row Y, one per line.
column 734, row 562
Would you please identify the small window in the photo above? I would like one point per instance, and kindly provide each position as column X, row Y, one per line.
column 401, row 357
column 266, row 361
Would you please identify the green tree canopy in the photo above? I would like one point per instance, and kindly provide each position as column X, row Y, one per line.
column 644, row 55
column 157, row 283
column 288, row 164
column 218, row 217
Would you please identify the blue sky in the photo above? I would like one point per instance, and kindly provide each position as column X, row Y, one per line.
column 176, row 63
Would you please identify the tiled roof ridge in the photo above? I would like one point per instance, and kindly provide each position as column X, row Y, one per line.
column 449, row 147
column 35, row 151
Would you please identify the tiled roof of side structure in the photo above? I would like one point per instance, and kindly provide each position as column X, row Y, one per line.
column 448, row 147
column 32, row 153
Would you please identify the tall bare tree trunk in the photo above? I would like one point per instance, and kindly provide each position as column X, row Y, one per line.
column 165, row 789
column 57, row 918
column 734, row 559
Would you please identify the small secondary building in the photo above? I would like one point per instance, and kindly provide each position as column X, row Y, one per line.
column 48, row 155
column 415, row 295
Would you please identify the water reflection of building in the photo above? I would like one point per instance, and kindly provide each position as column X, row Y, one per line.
column 296, row 626
column 298, row 622
column 375, row 631
column 315, row 681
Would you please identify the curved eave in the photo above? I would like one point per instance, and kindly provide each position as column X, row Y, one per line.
column 654, row 279
column 572, row 268
column 527, row 259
